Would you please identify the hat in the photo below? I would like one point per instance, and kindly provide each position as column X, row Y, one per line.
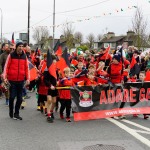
column 117, row 57
column 19, row 43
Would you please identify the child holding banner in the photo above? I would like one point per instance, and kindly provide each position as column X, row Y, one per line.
column 141, row 79
column 65, row 95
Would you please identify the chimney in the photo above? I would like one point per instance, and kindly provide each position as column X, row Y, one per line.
column 110, row 34
column 130, row 33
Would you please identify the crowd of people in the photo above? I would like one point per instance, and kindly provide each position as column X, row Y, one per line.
column 89, row 68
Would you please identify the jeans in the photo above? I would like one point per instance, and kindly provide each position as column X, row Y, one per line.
column 16, row 88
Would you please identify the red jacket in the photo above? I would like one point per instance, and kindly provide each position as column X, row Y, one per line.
column 91, row 82
column 102, row 77
column 65, row 94
column 147, row 78
column 115, row 73
column 80, row 78
column 16, row 67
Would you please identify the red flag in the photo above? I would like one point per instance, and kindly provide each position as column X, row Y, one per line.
column 59, row 51
column 51, row 65
column 133, row 62
column 12, row 40
column 108, row 49
column 66, row 57
column 32, row 71
column 134, row 67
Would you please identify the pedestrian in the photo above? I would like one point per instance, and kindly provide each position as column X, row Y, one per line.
column 50, row 82
column 3, row 57
column 15, row 73
column 65, row 95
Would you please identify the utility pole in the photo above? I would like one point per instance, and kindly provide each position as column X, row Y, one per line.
column 28, row 22
column 53, row 25
column 1, row 26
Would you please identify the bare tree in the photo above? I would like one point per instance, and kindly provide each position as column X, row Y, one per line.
column 79, row 37
column 139, row 26
column 68, row 32
column 90, row 39
column 99, row 37
column 40, row 33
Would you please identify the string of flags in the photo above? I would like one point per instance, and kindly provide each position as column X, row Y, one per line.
column 79, row 20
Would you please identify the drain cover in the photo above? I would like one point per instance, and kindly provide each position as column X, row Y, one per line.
column 103, row 147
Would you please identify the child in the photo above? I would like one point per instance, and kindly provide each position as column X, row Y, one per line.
column 101, row 74
column 141, row 79
column 79, row 73
column 42, row 92
column 92, row 69
column 50, row 82
column 115, row 69
column 65, row 96
column 91, row 79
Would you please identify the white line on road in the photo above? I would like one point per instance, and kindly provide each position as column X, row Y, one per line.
column 140, row 131
column 137, row 125
column 130, row 131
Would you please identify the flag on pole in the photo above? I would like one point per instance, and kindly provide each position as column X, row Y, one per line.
column 12, row 40
column 66, row 57
column 50, row 65
column 32, row 71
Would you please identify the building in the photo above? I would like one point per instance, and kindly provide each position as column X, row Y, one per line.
column 130, row 39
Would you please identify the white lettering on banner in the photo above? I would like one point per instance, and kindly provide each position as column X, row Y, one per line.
column 129, row 111
column 111, row 113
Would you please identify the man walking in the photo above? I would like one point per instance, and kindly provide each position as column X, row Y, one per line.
column 3, row 58
column 15, row 73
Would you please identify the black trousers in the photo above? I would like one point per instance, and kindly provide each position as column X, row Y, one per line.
column 65, row 104
column 16, row 88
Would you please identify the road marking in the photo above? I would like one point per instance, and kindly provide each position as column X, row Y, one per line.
column 140, row 131
column 136, row 125
column 130, row 131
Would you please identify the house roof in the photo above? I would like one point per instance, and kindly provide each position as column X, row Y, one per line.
column 132, row 38
column 112, row 39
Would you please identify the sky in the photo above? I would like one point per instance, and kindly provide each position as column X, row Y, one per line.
column 110, row 17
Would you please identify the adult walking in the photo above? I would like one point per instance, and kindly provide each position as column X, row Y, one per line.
column 3, row 58
column 16, row 72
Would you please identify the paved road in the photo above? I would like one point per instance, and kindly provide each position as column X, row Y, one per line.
column 34, row 133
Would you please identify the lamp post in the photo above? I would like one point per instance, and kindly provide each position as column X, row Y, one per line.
column 53, row 24
column 28, row 22
column 1, row 25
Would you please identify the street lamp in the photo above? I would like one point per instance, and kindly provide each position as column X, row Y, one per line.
column 1, row 25
column 53, row 24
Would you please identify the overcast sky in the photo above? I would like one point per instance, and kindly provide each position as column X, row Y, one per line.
column 15, row 15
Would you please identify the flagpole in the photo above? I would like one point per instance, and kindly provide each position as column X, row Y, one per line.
column 53, row 24
column 1, row 26
column 28, row 22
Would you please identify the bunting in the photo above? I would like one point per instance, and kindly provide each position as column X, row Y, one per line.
column 81, row 20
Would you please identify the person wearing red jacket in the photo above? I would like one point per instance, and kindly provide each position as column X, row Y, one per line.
column 42, row 92
column 101, row 73
column 65, row 95
column 115, row 69
column 15, row 73
column 91, row 79
column 77, row 72
column 141, row 79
